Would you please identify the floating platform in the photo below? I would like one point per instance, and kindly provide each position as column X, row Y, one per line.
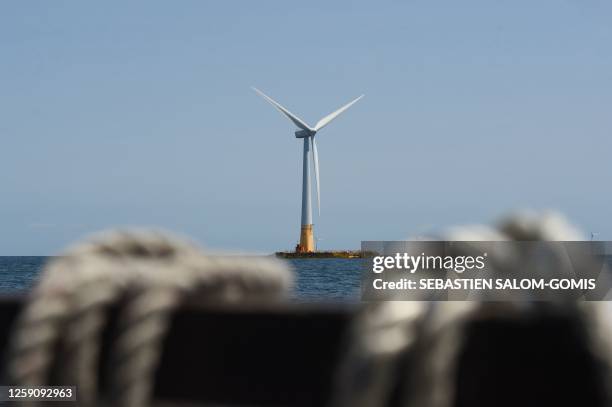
column 343, row 254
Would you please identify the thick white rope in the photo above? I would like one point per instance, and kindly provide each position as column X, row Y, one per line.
column 150, row 274
column 388, row 331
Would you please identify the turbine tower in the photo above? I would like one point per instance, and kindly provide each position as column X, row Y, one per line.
column 308, row 133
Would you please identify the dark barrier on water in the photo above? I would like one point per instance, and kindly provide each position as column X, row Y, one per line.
column 244, row 354
column 296, row 355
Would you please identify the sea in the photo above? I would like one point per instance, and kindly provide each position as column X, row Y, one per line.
column 316, row 280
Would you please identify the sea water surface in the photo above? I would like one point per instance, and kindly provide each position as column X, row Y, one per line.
column 316, row 280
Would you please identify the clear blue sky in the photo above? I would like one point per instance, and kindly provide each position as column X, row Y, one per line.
column 140, row 113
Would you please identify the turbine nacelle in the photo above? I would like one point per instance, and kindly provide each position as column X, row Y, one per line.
column 304, row 133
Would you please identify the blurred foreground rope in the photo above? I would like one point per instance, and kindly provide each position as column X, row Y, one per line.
column 406, row 353
column 398, row 352
column 57, row 337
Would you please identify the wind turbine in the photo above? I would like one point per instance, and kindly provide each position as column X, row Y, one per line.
column 308, row 133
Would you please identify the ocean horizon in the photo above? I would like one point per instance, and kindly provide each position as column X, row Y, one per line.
column 316, row 280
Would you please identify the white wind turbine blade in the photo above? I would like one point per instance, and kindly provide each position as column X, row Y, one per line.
column 315, row 159
column 296, row 120
column 328, row 119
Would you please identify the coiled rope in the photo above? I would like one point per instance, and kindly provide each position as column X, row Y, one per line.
column 149, row 275
column 407, row 353
column 56, row 339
